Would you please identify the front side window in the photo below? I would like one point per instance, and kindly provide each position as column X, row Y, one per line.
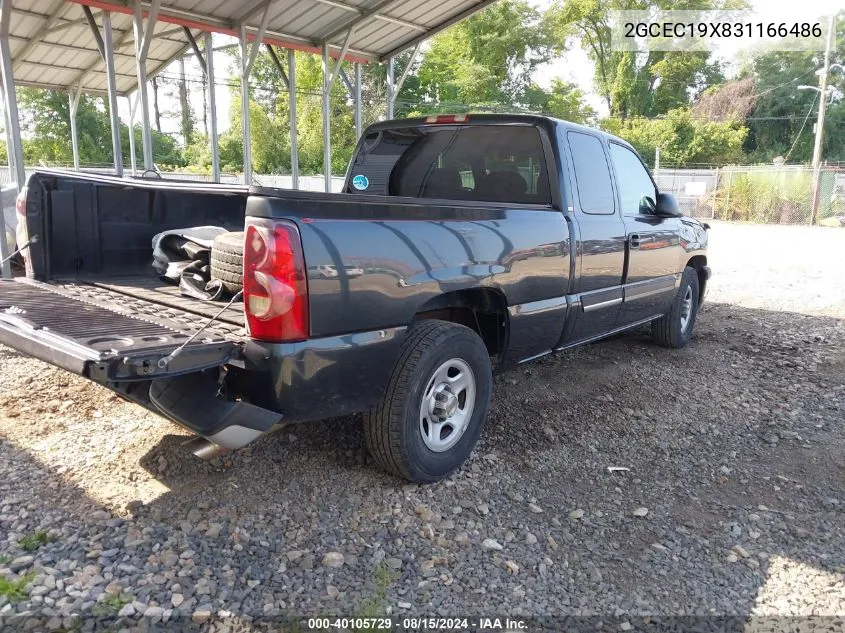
column 636, row 189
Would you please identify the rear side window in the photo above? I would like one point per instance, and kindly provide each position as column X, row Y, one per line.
column 592, row 174
column 491, row 163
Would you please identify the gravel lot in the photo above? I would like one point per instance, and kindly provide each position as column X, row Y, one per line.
column 734, row 503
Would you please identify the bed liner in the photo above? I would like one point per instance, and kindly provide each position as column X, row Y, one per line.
column 109, row 336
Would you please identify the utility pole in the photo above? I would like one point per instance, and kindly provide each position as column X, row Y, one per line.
column 817, row 148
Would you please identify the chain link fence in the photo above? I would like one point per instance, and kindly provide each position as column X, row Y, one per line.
column 766, row 194
column 776, row 194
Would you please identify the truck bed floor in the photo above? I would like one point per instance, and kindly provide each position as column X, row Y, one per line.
column 148, row 296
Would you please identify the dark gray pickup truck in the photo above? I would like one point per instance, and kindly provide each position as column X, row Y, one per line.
column 460, row 245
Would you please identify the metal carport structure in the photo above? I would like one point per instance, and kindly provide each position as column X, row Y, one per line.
column 112, row 47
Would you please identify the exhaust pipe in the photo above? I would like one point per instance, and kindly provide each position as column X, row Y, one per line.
column 205, row 449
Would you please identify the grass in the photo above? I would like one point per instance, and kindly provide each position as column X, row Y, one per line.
column 32, row 542
column 5, row 559
column 112, row 604
column 373, row 607
column 14, row 589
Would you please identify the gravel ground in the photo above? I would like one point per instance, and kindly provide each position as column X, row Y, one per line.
column 732, row 504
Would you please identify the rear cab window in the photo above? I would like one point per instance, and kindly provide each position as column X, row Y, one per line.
column 592, row 174
column 488, row 163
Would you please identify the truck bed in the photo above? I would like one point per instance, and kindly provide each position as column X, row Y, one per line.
column 158, row 296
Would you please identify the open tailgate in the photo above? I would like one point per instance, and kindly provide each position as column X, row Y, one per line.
column 105, row 341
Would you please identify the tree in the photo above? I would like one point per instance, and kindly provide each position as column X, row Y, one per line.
column 564, row 101
column 488, row 58
column 45, row 117
column 682, row 138
column 636, row 84
column 781, row 122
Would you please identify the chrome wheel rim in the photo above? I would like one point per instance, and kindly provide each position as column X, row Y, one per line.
column 447, row 405
column 686, row 309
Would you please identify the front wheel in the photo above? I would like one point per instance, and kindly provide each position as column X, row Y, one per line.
column 674, row 329
column 435, row 405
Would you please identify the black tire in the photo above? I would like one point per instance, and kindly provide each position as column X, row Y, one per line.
column 227, row 260
column 669, row 330
column 392, row 429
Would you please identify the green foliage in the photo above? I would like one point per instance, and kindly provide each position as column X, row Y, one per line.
column 636, row 84
column 563, row 101
column 780, row 197
column 45, row 121
column 682, row 138
column 112, row 604
column 775, row 123
column 488, row 58
column 15, row 590
column 32, row 542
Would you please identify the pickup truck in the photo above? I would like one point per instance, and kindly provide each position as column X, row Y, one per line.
column 460, row 245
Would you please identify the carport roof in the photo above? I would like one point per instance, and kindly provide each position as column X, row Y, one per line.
column 53, row 46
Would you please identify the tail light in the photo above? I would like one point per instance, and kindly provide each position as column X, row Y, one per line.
column 447, row 118
column 21, row 231
column 275, row 284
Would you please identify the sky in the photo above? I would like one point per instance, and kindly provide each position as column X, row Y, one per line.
column 573, row 66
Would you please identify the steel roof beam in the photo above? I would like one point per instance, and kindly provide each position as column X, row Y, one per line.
column 205, row 22
column 377, row 16
column 437, row 29
column 362, row 17
column 196, row 48
column 55, row 12
column 278, row 64
column 92, row 24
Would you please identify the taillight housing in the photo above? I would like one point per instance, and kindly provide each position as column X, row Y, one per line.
column 447, row 118
column 275, row 282
column 21, row 232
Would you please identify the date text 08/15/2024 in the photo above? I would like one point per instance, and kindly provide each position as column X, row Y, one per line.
column 417, row 624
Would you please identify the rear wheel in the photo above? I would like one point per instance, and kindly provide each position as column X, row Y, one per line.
column 435, row 405
column 674, row 329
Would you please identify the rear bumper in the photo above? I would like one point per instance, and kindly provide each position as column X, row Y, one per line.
column 321, row 378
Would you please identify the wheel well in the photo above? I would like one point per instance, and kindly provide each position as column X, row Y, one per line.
column 483, row 310
column 698, row 263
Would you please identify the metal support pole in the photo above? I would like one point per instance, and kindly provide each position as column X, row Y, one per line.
column 294, row 140
column 143, row 36
column 9, row 154
column 245, row 108
column 327, row 148
column 212, row 109
column 73, row 101
column 13, row 132
column 391, row 84
column 133, row 109
column 817, row 147
column 108, row 55
column 247, row 60
column 359, row 107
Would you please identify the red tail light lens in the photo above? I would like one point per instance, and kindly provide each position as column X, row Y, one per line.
column 275, row 284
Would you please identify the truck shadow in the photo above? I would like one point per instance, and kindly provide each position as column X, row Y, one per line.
column 738, row 455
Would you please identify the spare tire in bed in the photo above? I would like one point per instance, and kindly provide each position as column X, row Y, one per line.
column 227, row 260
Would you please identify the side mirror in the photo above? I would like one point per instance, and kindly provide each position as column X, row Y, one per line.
column 667, row 206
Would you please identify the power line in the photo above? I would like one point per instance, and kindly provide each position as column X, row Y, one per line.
column 809, row 112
